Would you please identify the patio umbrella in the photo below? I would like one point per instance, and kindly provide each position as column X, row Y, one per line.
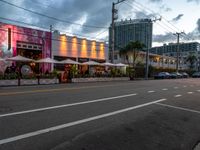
column 91, row 63
column 69, row 61
column 19, row 59
column 47, row 60
column 121, row 65
column 107, row 64
column 1, row 59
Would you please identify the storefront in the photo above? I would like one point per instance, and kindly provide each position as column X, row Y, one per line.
column 27, row 42
column 78, row 49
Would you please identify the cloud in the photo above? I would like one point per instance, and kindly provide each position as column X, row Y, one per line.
column 176, row 19
column 197, row 1
column 169, row 37
column 198, row 25
column 155, row 1
column 162, row 38
column 87, row 12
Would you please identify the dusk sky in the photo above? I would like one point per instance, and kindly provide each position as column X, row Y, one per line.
column 95, row 16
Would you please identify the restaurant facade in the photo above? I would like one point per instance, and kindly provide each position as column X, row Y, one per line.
column 27, row 42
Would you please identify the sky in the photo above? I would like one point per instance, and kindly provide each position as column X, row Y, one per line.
column 91, row 18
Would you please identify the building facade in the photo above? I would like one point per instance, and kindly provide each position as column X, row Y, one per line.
column 27, row 42
column 132, row 30
column 78, row 49
column 185, row 49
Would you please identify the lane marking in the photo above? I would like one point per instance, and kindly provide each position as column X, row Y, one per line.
column 67, row 105
column 198, row 90
column 177, row 96
column 190, row 92
column 184, row 86
column 180, row 108
column 191, row 85
column 56, row 89
column 175, row 87
column 164, row 89
column 151, row 91
column 62, row 126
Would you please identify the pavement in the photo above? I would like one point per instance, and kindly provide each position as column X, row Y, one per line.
column 153, row 115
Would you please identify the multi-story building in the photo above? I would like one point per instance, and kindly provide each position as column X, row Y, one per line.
column 131, row 30
column 185, row 49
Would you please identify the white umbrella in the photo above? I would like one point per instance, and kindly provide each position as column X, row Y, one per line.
column 47, row 60
column 107, row 64
column 1, row 59
column 91, row 63
column 19, row 58
column 121, row 65
column 69, row 61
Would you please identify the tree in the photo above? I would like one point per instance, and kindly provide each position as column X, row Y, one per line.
column 132, row 48
column 192, row 59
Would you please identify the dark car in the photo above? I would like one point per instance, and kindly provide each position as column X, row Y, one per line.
column 196, row 75
column 175, row 75
column 162, row 75
column 185, row 75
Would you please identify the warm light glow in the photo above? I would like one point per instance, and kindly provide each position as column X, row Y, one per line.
column 93, row 50
column 102, row 52
column 84, row 48
column 74, row 47
column 63, row 46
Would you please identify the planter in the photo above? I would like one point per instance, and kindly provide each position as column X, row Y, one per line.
column 82, row 80
column 28, row 82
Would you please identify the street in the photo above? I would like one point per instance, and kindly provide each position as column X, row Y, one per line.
column 125, row 115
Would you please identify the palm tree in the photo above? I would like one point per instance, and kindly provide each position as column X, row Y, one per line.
column 132, row 48
column 192, row 59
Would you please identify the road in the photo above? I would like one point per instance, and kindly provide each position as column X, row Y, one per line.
column 139, row 115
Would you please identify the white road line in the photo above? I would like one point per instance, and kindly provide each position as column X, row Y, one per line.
column 190, row 92
column 175, row 87
column 177, row 95
column 198, row 90
column 184, row 86
column 164, row 89
column 38, row 132
column 151, row 91
column 180, row 108
column 66, row 105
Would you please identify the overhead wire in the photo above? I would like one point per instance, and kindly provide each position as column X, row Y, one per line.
column 47, row 38
column 50, row 17
column 47, row 29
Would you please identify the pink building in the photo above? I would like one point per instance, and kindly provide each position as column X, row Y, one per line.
column 27, row 42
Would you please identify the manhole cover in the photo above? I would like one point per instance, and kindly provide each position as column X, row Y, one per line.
column 197, row 147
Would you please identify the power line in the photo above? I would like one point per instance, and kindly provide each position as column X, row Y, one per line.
column 47, row 29
column 162, row 18
column 47, row 38
column 50, row 17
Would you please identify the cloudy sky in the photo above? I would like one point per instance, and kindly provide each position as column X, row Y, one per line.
column 91, row 18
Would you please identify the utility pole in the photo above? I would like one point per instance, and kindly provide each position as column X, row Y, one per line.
column 114, row 17
column 147, row 51
column 178, row 47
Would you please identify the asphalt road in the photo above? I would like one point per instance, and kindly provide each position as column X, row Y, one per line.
column 128, row 115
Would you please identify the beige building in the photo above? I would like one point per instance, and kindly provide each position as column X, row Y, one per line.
column 79, row 49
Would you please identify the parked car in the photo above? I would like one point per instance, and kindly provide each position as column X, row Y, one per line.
column 185, row 75
column 175, row 75
column 196, row 75
column 162, row 75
